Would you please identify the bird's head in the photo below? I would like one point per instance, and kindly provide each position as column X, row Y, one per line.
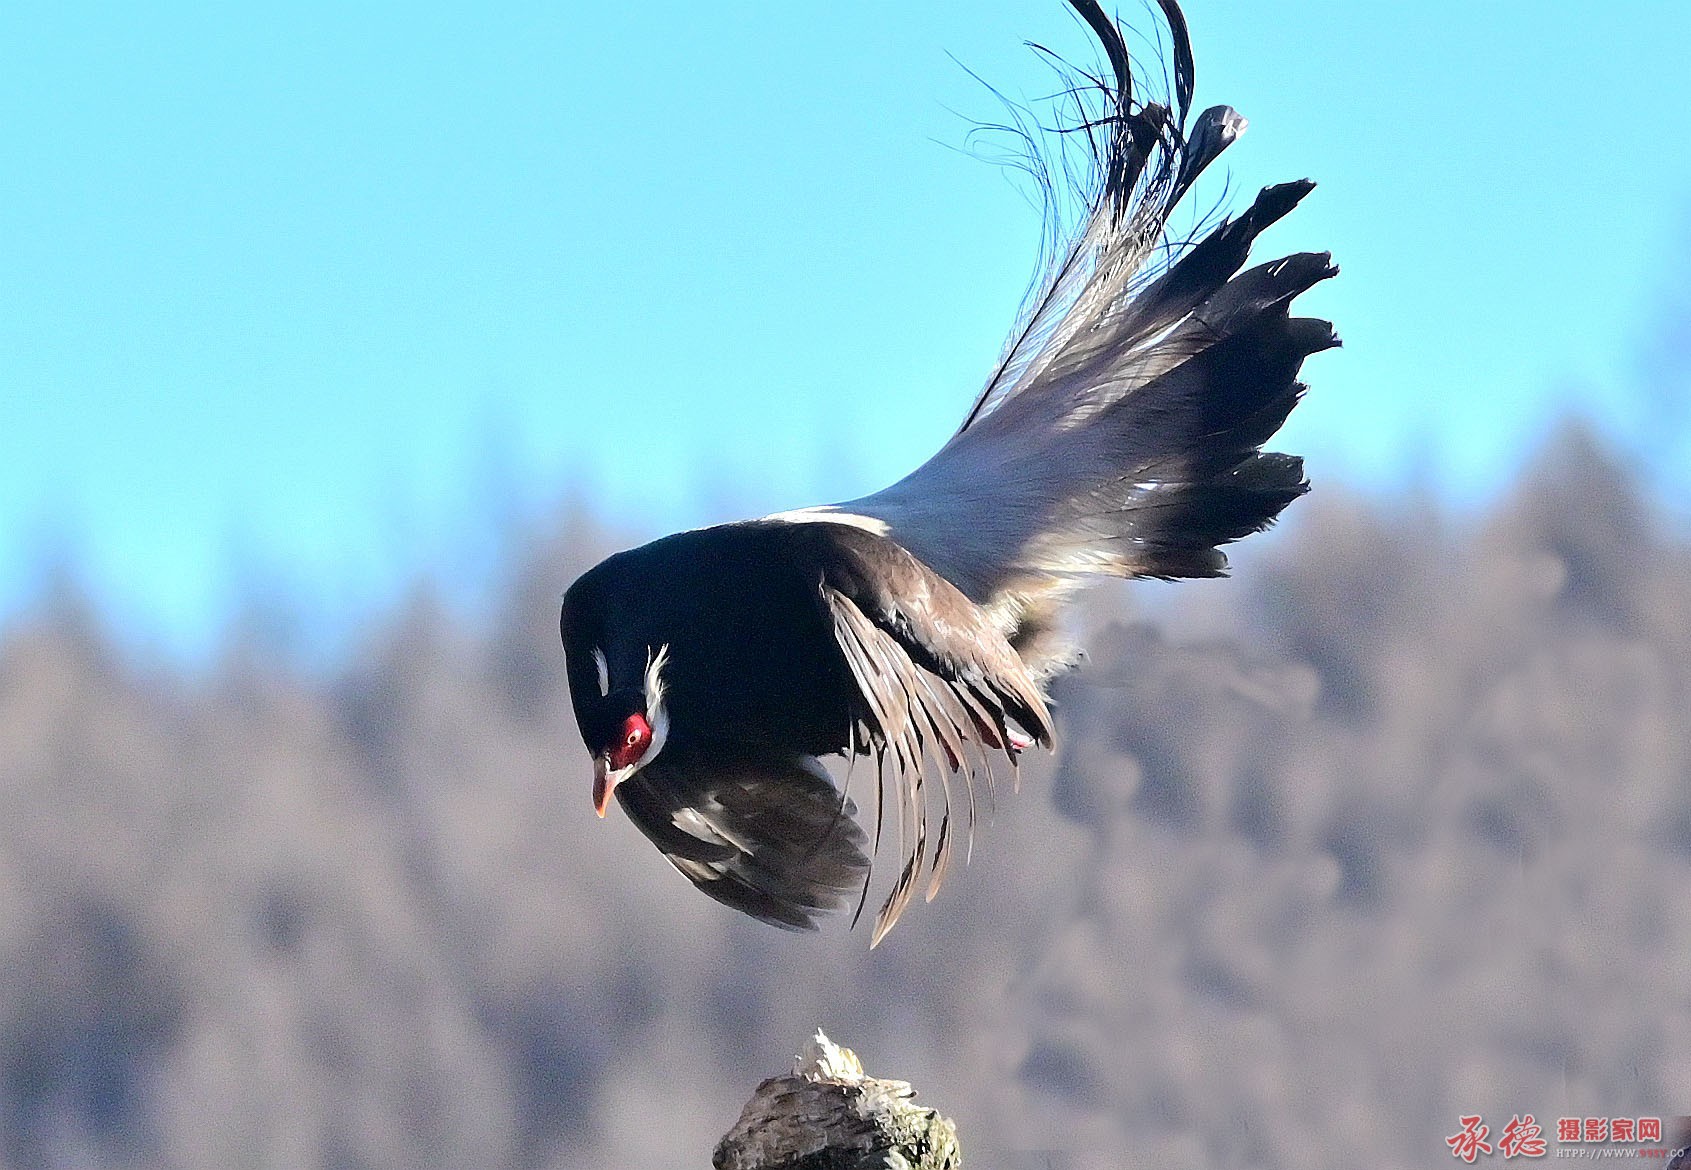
column 623, row 719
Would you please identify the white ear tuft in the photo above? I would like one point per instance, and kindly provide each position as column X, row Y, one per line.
column 656, row 714
column 654, row 676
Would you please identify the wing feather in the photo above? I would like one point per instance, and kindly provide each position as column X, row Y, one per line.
column 935, row 691
column 770, row 836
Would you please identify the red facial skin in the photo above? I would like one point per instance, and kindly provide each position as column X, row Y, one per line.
column 630, row 746
column 636, row 738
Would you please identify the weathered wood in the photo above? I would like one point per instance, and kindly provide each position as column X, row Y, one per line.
column 828, row 1115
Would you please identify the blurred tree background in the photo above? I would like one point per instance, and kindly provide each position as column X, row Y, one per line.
column 1391, row 828
column 1394, row 826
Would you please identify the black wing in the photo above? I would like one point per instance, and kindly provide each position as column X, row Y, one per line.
column 768, row 836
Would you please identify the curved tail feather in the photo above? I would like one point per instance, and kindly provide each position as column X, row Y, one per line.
column 1121, row 432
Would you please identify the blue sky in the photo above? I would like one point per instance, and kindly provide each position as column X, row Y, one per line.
column 309, row 289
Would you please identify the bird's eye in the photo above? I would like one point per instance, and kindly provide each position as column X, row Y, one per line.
column 634, row 742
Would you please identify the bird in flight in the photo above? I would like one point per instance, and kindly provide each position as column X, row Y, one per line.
column 1120, row 435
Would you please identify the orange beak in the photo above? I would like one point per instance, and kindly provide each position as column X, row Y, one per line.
column 605, row 780
column 601, row 785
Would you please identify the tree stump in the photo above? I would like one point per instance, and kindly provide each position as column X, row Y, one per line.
column 828, row 1115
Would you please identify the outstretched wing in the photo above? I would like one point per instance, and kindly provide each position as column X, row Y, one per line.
column 940, row 687
column 769, row 836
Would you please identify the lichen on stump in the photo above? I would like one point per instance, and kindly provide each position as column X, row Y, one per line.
column 828, row 1115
